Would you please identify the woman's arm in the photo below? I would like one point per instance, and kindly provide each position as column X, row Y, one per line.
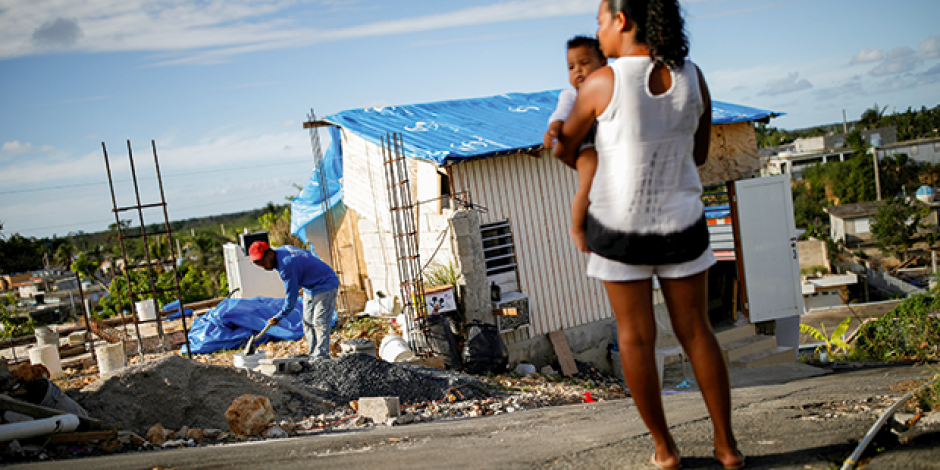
column 593, row 98
column 704, row 132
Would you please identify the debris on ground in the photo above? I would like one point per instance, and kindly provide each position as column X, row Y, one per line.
column 178, row 392
column 174, row 401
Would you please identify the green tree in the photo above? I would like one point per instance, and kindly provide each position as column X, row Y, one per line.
column 278, row 227
column 896, row 224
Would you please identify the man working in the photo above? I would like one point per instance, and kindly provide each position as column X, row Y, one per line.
column 302, row 269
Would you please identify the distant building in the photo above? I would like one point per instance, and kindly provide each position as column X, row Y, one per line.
column 921, row 150
column 802, row 153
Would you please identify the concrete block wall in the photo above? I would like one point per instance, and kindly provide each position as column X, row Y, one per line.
column 589, row 343
column 467, row 246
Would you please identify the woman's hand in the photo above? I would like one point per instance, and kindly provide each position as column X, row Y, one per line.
column 579, row 239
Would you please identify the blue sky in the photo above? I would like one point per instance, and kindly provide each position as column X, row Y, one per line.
column 223, row 87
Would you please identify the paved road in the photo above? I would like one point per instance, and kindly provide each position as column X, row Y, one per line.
column 780, row 426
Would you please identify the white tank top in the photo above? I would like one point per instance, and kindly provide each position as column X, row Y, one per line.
column 646, row 180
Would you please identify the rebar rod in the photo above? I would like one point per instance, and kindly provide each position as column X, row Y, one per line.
column 169, row 241
column 150, row 273
column 117, row 224
column 404, row 234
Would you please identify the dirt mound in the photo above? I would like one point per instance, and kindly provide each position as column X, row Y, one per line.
column 177, row 392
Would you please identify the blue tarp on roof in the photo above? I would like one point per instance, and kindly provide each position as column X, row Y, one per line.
column 446, row 132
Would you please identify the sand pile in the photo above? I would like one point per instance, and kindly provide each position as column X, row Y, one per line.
column 177, row 392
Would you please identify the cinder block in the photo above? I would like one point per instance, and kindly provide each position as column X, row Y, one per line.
column 282, row 365
column 379, row 409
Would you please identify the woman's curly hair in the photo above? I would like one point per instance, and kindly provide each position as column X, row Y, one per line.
column 659, row 25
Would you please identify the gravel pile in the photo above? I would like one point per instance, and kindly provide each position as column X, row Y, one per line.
column 353, row 376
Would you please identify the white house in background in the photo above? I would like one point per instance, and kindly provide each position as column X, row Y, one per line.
column 922, row 150
column 803, row 153
column 826, row 291
column 851, row 223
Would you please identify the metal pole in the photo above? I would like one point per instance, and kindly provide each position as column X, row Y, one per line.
column 169, row 240
column 874, row 156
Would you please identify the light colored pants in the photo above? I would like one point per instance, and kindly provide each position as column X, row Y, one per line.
column 318, row 320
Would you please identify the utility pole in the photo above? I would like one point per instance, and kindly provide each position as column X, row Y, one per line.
column 874, row 156
column 845, row 126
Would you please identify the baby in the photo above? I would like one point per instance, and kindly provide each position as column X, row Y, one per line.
column 584, row 57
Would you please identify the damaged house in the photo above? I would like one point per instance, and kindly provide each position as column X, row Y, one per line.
column 489, row 198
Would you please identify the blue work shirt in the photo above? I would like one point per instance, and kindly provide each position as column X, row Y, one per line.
column 302, row 269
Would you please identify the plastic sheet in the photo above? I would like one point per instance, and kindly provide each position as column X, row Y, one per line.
column 174, row 305
column 446, row 132
column 233, row 321
column 309, row 204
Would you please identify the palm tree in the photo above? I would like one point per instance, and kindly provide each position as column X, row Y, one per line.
column 64, row 255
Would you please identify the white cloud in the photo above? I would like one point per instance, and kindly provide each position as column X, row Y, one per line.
column 46, row 148
column 930, row 48
column 898, row 60
column 867, row 56
column 16, row 147
column 212, row 31
column 789, row 84
column 850, row 87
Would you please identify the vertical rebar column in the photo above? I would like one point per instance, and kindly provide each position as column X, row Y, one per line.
column 404, row 236
column 127, row 277
column 169, row 241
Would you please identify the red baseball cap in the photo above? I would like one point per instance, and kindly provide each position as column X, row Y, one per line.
column 257, row 250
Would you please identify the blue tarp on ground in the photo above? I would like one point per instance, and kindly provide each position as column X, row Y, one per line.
column 447, row 132
column 308, row 205
column 233, row 321
column 174, row 305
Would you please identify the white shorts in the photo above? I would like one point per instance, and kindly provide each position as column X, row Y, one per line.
column 608, row 270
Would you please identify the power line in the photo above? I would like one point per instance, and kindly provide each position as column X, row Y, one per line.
column 172, row 175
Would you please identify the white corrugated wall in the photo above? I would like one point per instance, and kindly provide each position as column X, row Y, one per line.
column 534, row 194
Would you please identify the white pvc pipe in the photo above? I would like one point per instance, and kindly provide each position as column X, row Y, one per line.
column 39, row 427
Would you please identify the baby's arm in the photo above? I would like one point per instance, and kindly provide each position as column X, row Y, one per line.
column 554, row 128
column 586, row 165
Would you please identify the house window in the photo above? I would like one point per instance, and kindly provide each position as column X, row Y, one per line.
column 498, row 247
column 936, row 146
column 862, row 225
column 838, row 143
column 915, row 149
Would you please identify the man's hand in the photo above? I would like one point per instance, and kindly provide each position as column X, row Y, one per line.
column 273, row 321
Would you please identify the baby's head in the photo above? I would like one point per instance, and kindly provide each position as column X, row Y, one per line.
column 584, row 57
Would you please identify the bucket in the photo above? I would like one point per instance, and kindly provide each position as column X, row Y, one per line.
column 110, row 357
column 394, row 349
column 48, row 356
column 77, row 338
column 146, row 310
column 249, row 362
column 46, row 336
